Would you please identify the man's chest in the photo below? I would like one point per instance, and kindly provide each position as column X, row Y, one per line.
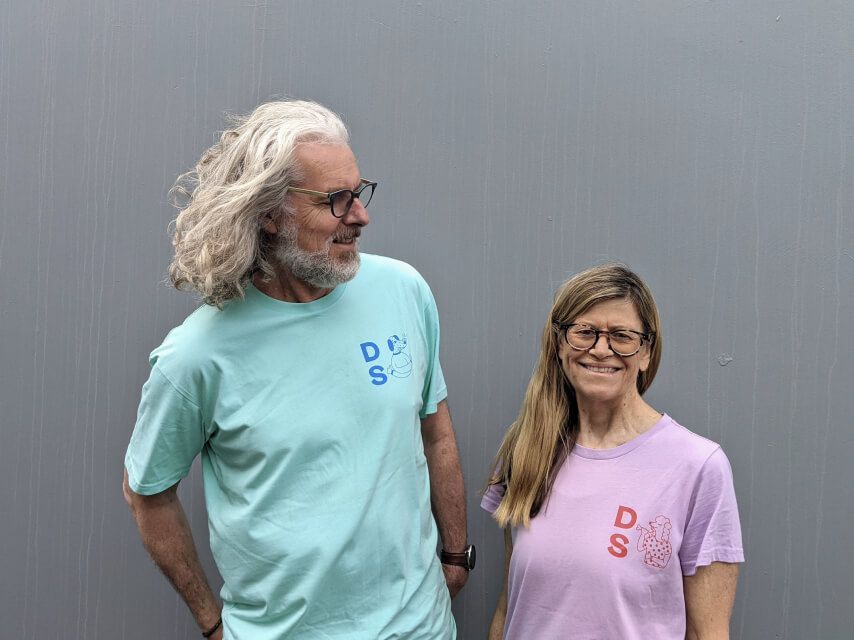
column 312, row 389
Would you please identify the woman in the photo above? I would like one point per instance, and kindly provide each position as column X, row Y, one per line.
column 626, row 522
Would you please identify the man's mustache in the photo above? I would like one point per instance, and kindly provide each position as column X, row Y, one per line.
column 347, row 234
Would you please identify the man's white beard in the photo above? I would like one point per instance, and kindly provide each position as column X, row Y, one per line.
column 316, row 268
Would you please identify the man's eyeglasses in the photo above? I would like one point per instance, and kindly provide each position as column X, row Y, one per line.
column 340, row 201
column 623, row 342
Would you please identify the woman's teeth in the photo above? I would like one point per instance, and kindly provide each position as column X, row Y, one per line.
column 599, row 369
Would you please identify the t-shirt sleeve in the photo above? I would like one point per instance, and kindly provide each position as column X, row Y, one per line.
column 168, row 435
column 434, row 382
column 713, row 530
column 492, row 497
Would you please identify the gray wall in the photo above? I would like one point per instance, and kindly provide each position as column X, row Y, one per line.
column 706, row 143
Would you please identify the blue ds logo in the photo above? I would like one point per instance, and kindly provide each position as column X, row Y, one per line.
column 399, row 363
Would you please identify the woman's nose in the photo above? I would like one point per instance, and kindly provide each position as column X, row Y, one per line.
column 601, row 345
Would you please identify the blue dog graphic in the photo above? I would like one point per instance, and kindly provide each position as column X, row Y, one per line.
column 400, row 365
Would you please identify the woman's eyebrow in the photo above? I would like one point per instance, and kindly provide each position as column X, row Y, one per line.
column 618, row 327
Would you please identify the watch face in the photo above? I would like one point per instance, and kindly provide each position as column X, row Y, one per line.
column 471, row 556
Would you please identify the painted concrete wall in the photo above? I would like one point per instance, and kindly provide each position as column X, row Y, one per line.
column 706, row 143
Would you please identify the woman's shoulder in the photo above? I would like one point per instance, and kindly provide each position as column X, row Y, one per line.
column 689, row 445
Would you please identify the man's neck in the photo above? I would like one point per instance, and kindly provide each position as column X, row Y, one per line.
column 287, row 287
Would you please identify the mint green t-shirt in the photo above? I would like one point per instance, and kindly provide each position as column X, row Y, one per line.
column 307, row 417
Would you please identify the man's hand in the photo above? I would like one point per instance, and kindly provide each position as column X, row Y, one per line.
column 455, row 577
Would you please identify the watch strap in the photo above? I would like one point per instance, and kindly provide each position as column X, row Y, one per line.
column 463, row 559
column 459, row 559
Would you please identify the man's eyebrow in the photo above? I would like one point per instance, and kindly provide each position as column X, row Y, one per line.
column 334, row 189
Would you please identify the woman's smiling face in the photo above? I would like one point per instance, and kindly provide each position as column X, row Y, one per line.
column 599, row 375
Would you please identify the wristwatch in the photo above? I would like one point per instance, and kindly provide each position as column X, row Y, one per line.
column 465, row 559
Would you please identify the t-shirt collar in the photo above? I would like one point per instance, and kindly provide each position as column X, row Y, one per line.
column 623, row 449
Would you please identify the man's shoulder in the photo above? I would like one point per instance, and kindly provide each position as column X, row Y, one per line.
column 192, row 345
column 390, row 273
column 394, row 278
column 382, row 266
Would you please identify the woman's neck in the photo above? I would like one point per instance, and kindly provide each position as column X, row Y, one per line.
column 605, row 426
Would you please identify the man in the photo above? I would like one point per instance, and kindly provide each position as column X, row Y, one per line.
column 310, row 383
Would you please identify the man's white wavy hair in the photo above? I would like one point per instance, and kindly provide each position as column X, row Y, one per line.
column 219, row 243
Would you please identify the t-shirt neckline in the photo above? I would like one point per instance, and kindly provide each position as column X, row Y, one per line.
column 623, row 449
column 256, row 296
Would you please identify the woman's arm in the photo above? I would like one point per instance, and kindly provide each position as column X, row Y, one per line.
column 709, row 596
column 496, row 629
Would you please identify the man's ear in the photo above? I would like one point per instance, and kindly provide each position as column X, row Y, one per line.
column 269, row 224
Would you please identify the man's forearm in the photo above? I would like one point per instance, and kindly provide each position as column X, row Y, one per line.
column 167, row 537
column 448, row 497
column 447, row 490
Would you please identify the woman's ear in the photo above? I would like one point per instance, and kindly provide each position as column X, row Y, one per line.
column 645, row 356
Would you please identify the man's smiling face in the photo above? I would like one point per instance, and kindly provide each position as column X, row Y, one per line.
column 315, row 246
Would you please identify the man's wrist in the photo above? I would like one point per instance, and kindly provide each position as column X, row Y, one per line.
column 465, row 558
column 212, row 629
column 207, row 633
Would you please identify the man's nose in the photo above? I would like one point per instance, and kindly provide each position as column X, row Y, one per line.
column 358, row 214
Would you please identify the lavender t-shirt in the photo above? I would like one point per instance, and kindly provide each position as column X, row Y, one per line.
column 605, row 556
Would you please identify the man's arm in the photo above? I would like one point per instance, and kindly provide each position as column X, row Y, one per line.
column 447, row 491
column 167, row 537
column 709, row 597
